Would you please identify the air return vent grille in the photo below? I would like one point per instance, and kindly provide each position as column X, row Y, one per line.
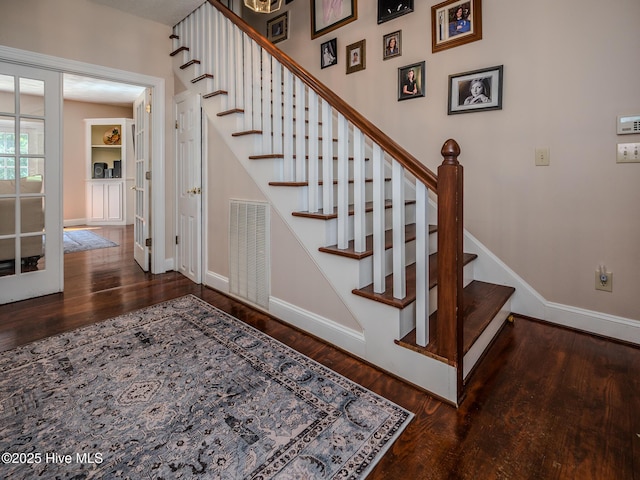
column 249, row 251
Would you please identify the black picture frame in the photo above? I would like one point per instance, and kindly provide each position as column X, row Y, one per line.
column 476, row 91
column 419, row 81
column 329, row 53
column 390, row 9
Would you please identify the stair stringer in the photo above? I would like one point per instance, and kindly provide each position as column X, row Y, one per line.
column 381, row 324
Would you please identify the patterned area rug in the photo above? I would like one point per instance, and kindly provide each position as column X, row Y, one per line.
column 81, row 240
column 183, row 390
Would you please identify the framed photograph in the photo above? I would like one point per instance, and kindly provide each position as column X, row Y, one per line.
column 327, row 15
column 329, row 53
column 454, row 23
column 392, row 45
column 356, row 56
column 390, row 9
column 412, row 81
column 278, row 28
column 475, row 91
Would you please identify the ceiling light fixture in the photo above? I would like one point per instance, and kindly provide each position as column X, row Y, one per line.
column 263, row 6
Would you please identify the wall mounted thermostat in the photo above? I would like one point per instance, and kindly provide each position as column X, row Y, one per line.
column 628, row 124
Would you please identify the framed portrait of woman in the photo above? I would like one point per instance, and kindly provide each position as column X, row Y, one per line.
column 327, row 15
column 412, row 81
column 392, row 45
column 455, row 23
column 475, row 91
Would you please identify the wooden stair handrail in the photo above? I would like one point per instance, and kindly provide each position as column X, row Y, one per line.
column 412, row 164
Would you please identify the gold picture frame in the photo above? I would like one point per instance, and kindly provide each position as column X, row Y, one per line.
column 327, row 16
column 455, row 23
column 356, row 56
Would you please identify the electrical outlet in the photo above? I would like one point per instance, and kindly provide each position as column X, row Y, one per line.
column 542, row 157
column 604, row 281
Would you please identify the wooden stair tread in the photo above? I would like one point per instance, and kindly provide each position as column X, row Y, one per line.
column 481, row 302
column 178, row 50
column 320, row 215
column 350, row 252
column 320, row 182
column 201, row 77
column 281, row 155
column 189, row 63
column 410, row 297
column 216, row 93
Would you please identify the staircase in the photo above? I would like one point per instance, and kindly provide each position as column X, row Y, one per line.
column 385, row 230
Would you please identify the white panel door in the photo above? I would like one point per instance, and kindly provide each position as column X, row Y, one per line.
column 189, row 185
column 142, row 127
column 30, row 182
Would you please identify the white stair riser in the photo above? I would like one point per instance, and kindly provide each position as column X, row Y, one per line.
column 332, row 225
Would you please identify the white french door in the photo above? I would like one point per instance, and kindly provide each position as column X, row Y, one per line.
column 189, row 185
column 141, row 120
column 30, row 182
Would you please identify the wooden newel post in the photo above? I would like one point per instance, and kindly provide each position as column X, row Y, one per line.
column 450, row 240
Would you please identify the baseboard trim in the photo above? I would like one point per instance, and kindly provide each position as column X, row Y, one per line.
column 322, row 327
column 74, row 222
column 595, row 323
column 216, row 281
column 317, row 325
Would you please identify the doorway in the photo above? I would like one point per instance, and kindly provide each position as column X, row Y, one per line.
column 156, row 85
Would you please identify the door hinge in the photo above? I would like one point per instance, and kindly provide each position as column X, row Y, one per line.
column 148, row 108
column 147, row 243
column 176, row 124
column 147, row 175
column 177, row 240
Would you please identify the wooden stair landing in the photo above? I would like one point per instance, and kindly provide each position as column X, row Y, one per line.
column 481, row 302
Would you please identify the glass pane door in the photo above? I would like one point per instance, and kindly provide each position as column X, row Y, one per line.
column 30, row 213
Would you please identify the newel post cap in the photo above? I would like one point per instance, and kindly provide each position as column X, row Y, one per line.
column 450, row 151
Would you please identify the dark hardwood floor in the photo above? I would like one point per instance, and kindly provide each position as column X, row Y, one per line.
column 547, row 403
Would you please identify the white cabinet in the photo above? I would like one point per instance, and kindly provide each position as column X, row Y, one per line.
column 110, row 171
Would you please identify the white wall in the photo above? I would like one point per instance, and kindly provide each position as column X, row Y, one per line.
column 570, row 68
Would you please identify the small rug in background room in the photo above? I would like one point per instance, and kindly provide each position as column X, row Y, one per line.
column 183, row 390
column 81, row 240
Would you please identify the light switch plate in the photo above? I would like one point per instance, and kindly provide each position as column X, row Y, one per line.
column 628, row 153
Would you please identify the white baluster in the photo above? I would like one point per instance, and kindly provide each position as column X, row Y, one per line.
column 314, row 141
column 398, row 207
column 276, row 99
column 327, row 157
column 301, row 173
column 267, row 136
column 343, row 182
column 200, row 33
column 422, row 264
column 379, row 271
column 248, row 83
column 236, row 83
column 256, row 68
column 288, row 127
column 359, row 217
